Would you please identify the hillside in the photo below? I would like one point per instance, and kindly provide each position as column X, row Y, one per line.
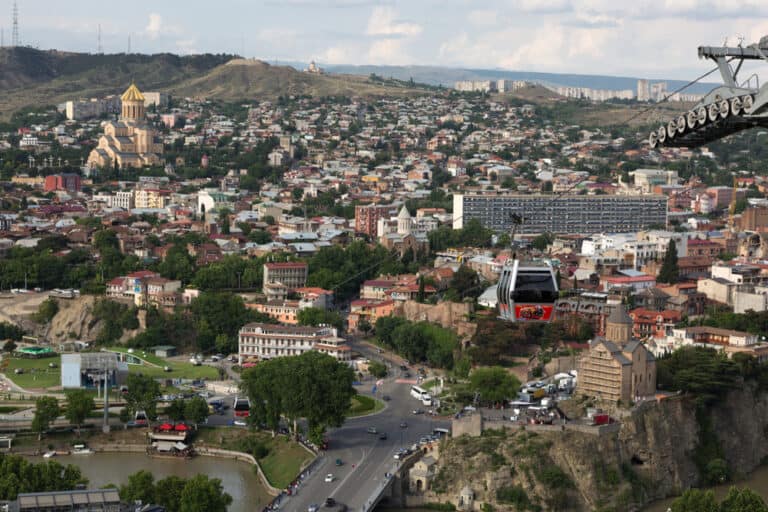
column 30, row 77
column 248, row 78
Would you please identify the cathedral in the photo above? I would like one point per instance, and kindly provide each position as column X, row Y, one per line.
column 130, row 141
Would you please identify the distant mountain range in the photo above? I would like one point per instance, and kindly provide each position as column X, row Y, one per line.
column 433, row 75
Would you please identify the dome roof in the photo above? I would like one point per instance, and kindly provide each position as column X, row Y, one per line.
column 132, row 94
column 619, row 316
column 404, row 213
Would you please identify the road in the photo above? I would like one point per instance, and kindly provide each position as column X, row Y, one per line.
column 365, row 457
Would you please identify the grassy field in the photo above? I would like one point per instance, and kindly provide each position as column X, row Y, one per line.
column 281, row 465
column 179, row 370
column 362, row 405
column 37, row 373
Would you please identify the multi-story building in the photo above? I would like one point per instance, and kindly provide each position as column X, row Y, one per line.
column 151, row 198
column 123, row 199
column 367, row 217
column 567, row 214
column 257, row 342
column 67, row 182
column 616, row 367
column 281, row 278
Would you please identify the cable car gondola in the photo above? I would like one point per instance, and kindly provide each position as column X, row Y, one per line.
column 527, row 292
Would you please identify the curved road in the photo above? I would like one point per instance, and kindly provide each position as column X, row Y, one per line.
column 365, row 457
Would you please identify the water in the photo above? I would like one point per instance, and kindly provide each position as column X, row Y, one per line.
column 237, row 478
column 757, row 481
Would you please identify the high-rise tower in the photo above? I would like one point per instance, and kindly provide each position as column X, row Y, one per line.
column 15, row 35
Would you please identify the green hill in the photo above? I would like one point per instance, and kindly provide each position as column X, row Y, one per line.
column 30, row 77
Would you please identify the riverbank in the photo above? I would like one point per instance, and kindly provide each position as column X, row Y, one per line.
column 277, row 460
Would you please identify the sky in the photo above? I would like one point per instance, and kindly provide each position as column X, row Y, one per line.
column 643, row 38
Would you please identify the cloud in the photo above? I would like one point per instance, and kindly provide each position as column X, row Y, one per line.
column 384, row 22
column 337, row 55
column 387, row 51
column 154, row 27
column 484, row 18
column 187, row 47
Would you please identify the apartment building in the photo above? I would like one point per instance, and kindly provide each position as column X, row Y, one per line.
column 258, row 342
column 367, row 217
column 567, row 214
column 67, row 182
column 151, row 198
column 281, row 278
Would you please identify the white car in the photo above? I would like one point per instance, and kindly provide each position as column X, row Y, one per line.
column 313, row 508
column 329, row 478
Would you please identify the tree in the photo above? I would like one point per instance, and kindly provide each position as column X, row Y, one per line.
column 224, row 220
column 743, row 500
column 364, row 326
column 79, row 405
column 695, row 500
column 47, row 310
column 168, row 493
column 201, row 494
column 175, row 410
column 46, row 411
column 466, row 282
column 140, row 487
column 317, row 316
column 9, row 346
column 313, row 386
column 494, row 384
column 142, row 394
column 669, row 270
column 196, row 410
column 377, row 369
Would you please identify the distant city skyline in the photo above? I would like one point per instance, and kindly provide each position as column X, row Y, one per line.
column 638, row 38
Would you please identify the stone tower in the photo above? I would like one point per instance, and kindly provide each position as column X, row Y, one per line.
column 133, row 105
column 618, row 326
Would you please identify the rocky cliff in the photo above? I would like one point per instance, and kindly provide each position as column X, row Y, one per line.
column 75, row 320
column 660, row 450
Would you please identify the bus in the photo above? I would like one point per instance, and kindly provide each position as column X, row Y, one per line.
column 422, row 395
column 242, row 407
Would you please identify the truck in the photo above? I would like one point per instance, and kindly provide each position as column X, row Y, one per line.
column 536, row 393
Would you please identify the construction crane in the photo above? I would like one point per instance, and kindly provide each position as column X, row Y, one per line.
column 725, row 110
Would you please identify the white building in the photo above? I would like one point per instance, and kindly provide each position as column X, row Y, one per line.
column 257, row 342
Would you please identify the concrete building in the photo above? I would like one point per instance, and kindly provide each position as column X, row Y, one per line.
column 367, row 217
column 88, row 500
column 281, row 278
column 151, row 198
column 567, row 214
column 616, row 367
column 129, row 142
column 67, row 182
column 86, row 109
column 257, row 342
column 88, row 370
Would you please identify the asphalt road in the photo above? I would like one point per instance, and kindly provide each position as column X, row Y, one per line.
column 365, row 457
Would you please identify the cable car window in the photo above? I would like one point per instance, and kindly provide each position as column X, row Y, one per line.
column 538, row 287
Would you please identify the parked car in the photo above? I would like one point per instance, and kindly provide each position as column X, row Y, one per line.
column 403, row 424
column 313, row 508
column 330, row 502
column 329, row 478
column 339, row 462
column 386, row 398
column 418, row 411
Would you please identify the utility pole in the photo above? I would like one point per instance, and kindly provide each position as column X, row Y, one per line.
column 105, row 425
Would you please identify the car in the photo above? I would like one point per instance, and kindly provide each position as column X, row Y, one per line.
column 386, row 398
column 339, row 462
column 330, row 502
column 403, row 424
column 372, row 430
column 166, row 368
column 18, row 371
column 383, row 436
column 329, row 478
column 313, row 508
column 215, row 359
column 407, row 375
column 418, row 411
column 240, row 422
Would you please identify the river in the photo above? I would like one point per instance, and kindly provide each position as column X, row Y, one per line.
column 237, row 478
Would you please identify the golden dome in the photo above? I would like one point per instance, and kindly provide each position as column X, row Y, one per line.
column 132, row 94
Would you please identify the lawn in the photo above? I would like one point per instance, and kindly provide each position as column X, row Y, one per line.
column 36, row 374
column 280, row 466
column 179, row 370
column 430, row 383
column 362, row 405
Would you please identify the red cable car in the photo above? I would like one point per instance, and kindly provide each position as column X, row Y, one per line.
column 527, row 292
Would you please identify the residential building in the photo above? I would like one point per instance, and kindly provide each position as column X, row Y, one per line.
column 369, row 310
column 257, row 342
column 616, row 368
column 67, row 182
column 151, row 198
column 280, row 278
column 367, row 217
column 567, row 214
column 656, row 324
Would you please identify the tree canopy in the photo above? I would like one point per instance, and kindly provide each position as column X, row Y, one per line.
column 79, row 405
column 46, row 411
column 313, row 386
column 669, row 272
column 176, row 494
column 737, row 500
column 142, row 394
column 494, row 384
column 418, row 341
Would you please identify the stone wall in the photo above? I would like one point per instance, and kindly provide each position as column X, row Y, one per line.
column 453, row 315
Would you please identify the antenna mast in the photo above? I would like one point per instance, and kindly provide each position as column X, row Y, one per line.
column 15, row 34
column 98, row 44
column 129, row 43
